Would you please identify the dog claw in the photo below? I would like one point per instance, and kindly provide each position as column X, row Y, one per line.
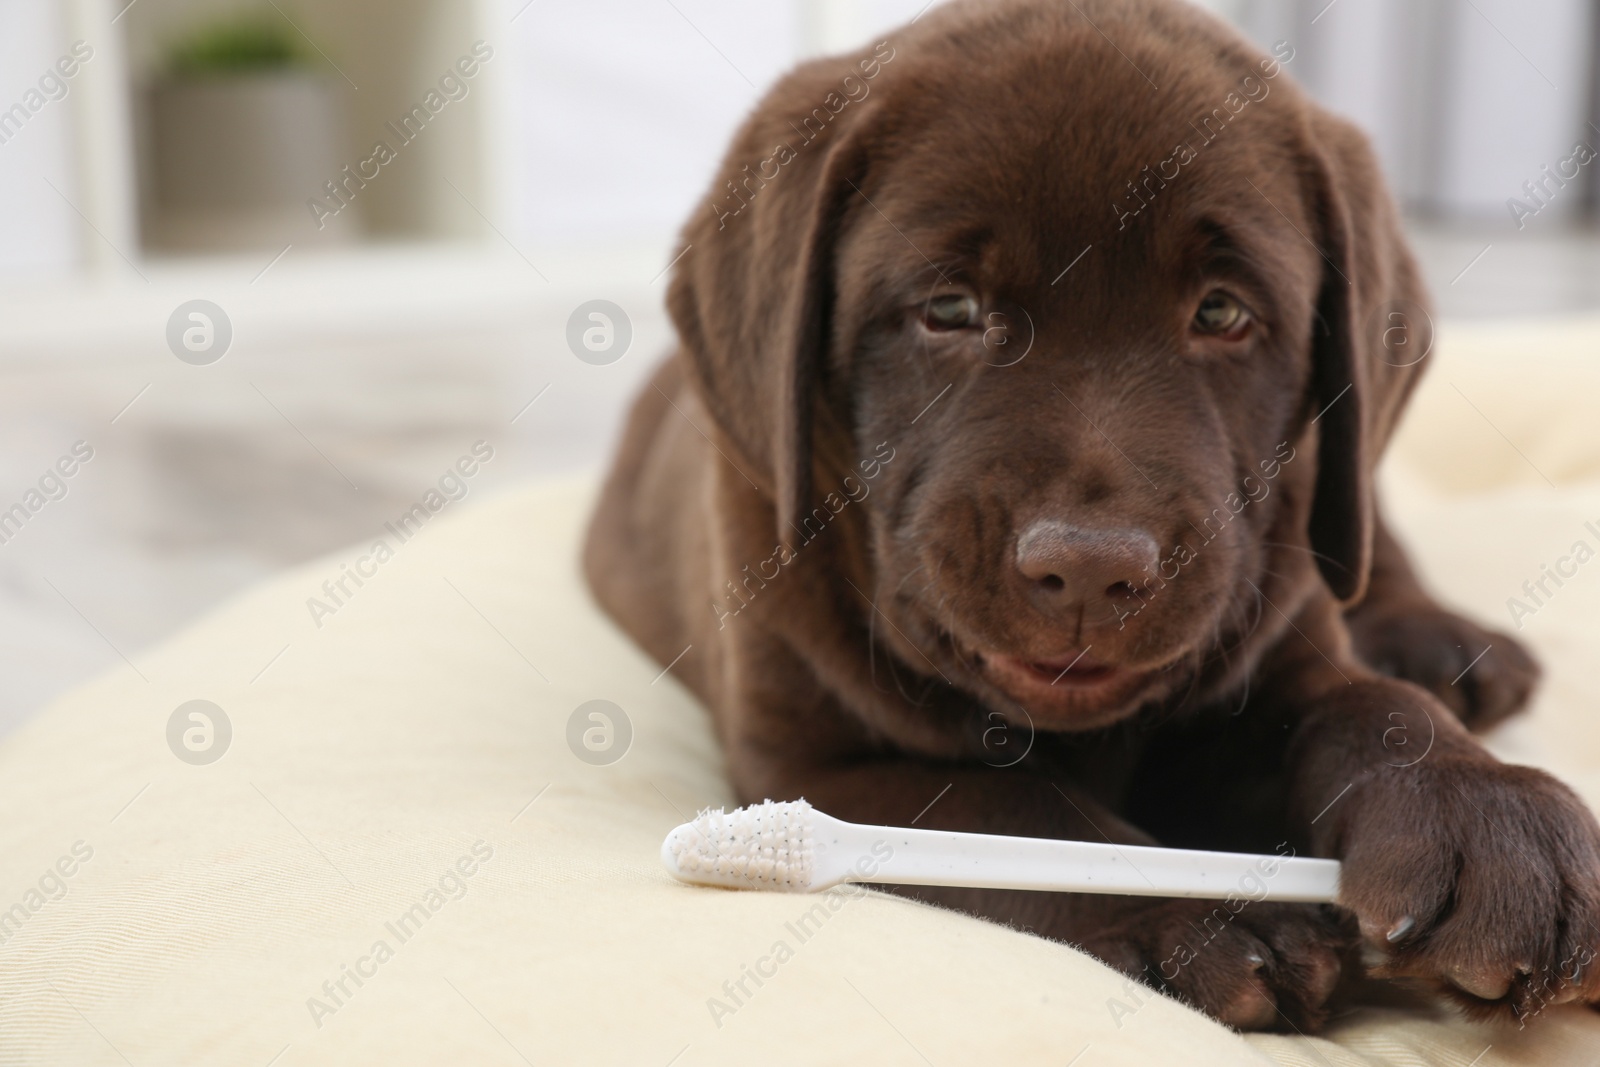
column 1400, row 929
column 1480, row 984
column 1253, row 1008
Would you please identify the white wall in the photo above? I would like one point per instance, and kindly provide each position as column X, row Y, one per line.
column 40, row 232
column 626, row 106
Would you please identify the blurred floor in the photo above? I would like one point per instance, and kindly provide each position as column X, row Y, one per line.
column 350, row 388
column 352, row 384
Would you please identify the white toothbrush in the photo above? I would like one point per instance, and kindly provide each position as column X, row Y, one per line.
column 793, row 847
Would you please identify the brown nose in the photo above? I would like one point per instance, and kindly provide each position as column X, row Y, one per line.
column 1069, row 567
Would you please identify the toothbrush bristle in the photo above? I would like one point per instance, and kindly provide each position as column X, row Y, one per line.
column 763, row 846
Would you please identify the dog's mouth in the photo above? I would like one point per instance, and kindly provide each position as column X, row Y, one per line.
column 1077, row 671
column 1066, row 690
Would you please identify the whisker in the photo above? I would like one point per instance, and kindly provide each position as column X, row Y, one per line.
column 900, row 685
column 872, row 651
column 1245, row 699
column 1248, row 632
column 1302, row 548
column 1275, row 574
column 907, row 577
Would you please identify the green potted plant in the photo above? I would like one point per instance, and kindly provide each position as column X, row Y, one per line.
column 244, row 126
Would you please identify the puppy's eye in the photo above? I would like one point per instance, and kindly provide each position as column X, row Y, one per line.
column 1221, row 315
column 952, row 311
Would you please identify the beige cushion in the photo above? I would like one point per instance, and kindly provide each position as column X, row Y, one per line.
column 423, row 727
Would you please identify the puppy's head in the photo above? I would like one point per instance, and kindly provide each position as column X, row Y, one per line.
column 1134, row 317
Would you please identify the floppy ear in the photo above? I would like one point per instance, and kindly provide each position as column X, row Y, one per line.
column 753, row 297
column 1369, row 350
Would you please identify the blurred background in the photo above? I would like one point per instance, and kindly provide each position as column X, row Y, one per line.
column 365, row 314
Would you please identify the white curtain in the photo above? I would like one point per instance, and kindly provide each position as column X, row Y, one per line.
column 1466, row 100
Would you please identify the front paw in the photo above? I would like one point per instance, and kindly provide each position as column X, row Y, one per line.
column 1252, row 965
column 1481, row 675
column 1482, row 877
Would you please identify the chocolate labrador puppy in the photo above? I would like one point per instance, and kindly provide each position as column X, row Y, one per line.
column 1014, row 474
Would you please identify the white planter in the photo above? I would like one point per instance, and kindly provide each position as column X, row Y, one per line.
column 235, row 158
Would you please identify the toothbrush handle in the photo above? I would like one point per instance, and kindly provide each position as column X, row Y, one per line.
column 983, row 861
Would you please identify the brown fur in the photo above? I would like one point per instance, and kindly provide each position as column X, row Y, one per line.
column 875, row 533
